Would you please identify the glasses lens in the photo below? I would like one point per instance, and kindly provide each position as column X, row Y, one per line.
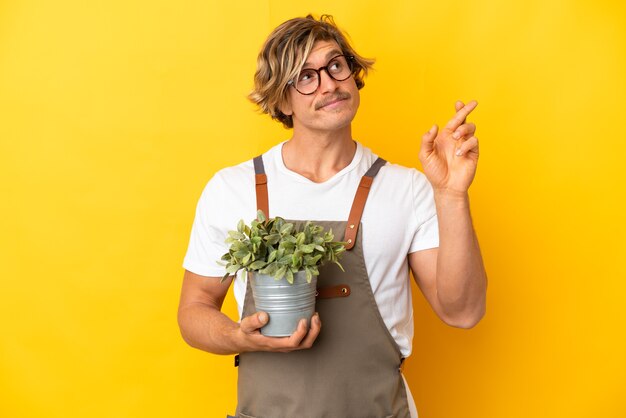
column 307, row 81
column 338, row 68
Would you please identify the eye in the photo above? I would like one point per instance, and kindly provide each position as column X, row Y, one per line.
column 335, row 66
column 306, row 76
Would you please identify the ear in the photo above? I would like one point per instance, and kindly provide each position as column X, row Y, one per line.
column 285, row 107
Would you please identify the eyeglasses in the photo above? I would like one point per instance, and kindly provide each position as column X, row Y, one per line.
column 339, row 68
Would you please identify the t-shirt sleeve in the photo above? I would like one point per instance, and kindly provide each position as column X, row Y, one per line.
column 206, row 243
column 427, row 231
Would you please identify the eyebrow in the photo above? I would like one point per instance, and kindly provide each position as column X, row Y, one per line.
column 332, row 53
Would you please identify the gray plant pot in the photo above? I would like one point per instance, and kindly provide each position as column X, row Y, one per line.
column 286, row 304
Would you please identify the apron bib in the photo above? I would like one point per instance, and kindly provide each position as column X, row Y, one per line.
column 353, row 368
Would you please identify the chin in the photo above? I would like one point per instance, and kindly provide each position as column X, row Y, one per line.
column 335, row 124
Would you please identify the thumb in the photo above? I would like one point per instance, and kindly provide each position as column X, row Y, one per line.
column 251, row 323
column 428, row 140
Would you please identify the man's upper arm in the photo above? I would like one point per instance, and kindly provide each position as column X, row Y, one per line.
column 424, row 267
column 205, row 290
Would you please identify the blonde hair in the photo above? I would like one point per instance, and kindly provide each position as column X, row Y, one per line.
column 283, row 55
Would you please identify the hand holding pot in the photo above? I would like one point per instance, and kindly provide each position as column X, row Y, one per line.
column 253, row 340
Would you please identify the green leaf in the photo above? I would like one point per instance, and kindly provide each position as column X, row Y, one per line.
column 287, row 246
column 286, row 229
column 280, row 273
column 272, row 256
column 296, row 260
column 260, row 216
column 272, row 239
column 300, row 238
column 238, row 245
column 289, row 276
column 256, row 265
column 246, row 259
column 236, row 235
column 308, row 249
column 312, row 261
column 275, row 228
column 270, row 269
column 240, row 226
column 233, row 269
column 241, row 253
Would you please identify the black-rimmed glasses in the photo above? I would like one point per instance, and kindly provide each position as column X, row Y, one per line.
column 339, row 68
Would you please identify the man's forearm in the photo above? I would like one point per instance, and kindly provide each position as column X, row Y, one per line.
column 206, row 328
column 461, row 277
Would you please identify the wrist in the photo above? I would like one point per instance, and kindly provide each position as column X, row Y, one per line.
column 451, row 195
column 241, row 342
column 446, row 200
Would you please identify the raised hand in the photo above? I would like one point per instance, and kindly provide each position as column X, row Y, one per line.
column 449, row 158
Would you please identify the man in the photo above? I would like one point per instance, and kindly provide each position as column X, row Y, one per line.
column 308, row 78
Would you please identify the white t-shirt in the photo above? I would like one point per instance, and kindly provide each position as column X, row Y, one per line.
column 399, row 218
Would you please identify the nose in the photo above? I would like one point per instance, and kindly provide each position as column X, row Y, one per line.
column 327, row 83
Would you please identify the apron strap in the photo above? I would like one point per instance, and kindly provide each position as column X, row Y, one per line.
column 354, row 219
column 262, row 201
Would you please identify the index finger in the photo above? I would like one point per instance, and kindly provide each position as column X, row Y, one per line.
column 460, row 116
column 314, row 331
column 296, row 338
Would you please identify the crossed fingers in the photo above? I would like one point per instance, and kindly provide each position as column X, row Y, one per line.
column 463, row 130
column 461, row 115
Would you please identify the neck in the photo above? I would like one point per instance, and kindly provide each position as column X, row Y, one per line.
column 319, row 155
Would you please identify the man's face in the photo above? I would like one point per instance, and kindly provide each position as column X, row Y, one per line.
column 333, row 105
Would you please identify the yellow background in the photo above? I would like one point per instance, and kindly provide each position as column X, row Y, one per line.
column 114, row 115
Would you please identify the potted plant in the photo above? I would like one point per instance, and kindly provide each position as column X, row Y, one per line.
column 282, row 263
